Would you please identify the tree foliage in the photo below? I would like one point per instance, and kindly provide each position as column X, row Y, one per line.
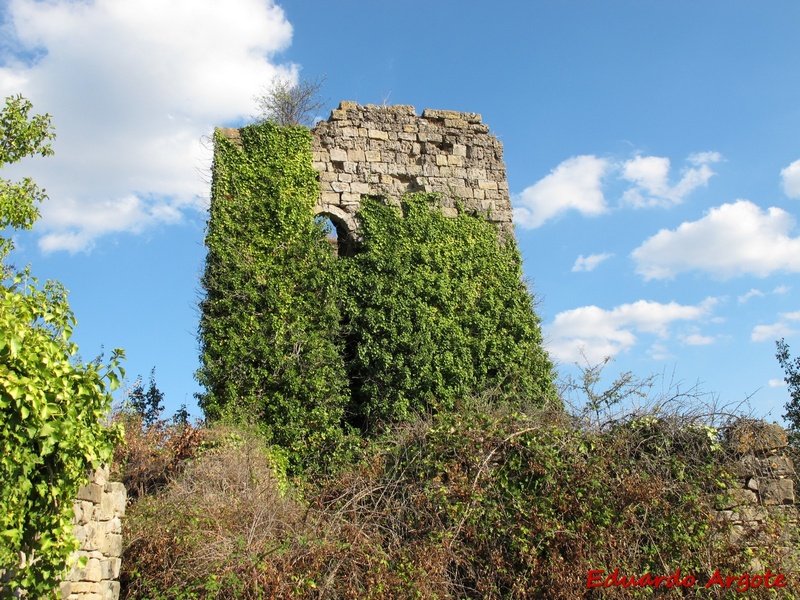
column 288, row 103
column 791, row 369
column 21, row 136
column 435, row 311
column 269, row 320
column 147, row 404
column 52, row 407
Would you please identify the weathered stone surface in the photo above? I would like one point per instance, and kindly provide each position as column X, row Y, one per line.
column 390, row 151
column 98, row 527
column 778, row 491
column 757, row 437
column 91, row 492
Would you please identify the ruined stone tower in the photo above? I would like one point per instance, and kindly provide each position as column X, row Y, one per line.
column 388, row 151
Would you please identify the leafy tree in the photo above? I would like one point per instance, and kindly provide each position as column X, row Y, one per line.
column 20, row 136
column 52, row 408
column 287, row 103
column 148, row 404
column 791, row 369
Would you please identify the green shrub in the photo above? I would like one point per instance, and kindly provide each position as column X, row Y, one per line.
column 53, row 409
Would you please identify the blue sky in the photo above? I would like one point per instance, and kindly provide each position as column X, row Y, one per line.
column 651, row 149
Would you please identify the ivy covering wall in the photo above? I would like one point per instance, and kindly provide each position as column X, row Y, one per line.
column 269, row 327
column 435, row 310
column 428, row 311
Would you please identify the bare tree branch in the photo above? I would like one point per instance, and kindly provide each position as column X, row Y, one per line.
column 287, row 103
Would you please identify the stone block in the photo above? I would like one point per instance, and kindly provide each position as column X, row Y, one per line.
column 459, row 150
column 348, row 105
column 65, row 589
column 348, row 132
column 456, row 161
column 106, row 510
column 111, row 590
column 359, row 188
column 455, row 123
column 340, row 186
column 778, row 466
column 355, row 155
column 319, row 166
column 114, row 525
column 429, row 137
column 338, row 155
column 372, row 156
column 377, row 134
column 111, row 545
column 434, row 114
column 778, row 491
column 338, row 115
column 441, row 160
column 86, row 587
column 756, row 436
column 349, row 167
column 93, row 571
column 451, row 213
column 77, row 513
column 487, row 185
column 100, row 476
column 91, row 492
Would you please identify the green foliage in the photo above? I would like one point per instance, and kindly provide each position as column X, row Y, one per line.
column 52, row 408
column 791, row 369
column 435, row 311
column 481, row 502
column 148, row 404
column 429, row 310
column 20, row 136
column 269, row 321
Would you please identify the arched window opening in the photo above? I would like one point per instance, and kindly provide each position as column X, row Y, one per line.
column 338, row 234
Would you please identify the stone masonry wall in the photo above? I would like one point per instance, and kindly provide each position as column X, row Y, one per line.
column 388, row 151
column 99, row 508
column 764, row 490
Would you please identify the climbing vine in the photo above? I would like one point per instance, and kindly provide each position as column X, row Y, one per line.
column 428, row 311
column 435, row 311
column 269, row 325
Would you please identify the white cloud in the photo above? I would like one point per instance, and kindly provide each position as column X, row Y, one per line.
column 600, row 333
column 650, row 176
column 696, row 339
column 763, row 333
column 776, row 383
column 751, row 294
column 791, row 316
column 589, row 263
column 730, row 240
column 575, row 184
column 791, row 179
column 781, row 289
column 133, row 85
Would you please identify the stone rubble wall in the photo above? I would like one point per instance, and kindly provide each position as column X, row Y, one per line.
column 99, row 509
column 389, row 151
column 764, row 491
